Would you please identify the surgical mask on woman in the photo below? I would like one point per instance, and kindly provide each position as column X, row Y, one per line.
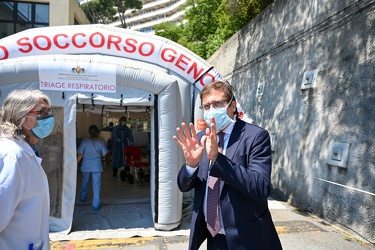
column 44, row 126
column 123, row 123
column 222, row 119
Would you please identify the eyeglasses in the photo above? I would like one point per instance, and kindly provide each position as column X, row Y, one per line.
column 41, row 112
column 217, row 104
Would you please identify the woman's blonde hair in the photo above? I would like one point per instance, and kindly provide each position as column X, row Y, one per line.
column 15, row 108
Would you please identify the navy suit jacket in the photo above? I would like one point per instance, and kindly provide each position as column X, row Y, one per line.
column 245, row 172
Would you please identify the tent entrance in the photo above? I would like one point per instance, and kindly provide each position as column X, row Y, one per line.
column 123, row 205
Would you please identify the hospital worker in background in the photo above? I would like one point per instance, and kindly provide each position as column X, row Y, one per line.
column 108, row 139
column 26, row 116
column 109, row 127
column 121, row 137
column 91, row 151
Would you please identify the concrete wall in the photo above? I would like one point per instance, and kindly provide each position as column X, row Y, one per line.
column 338, row 39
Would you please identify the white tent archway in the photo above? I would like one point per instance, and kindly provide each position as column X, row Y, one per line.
column 51, row 58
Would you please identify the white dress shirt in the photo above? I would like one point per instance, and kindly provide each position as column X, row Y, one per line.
column 227, row 132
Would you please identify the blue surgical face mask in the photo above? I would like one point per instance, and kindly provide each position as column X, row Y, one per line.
column 123, row 123
column 44, row 126
column 222, row 119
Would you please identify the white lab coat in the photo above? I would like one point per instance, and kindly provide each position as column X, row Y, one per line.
column 24, row 197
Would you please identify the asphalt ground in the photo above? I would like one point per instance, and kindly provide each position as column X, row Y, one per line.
column 297, row 230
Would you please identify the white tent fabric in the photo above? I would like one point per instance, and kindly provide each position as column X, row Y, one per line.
column 111, row 41
column 132, row 67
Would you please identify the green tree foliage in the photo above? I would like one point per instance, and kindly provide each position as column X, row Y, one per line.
column 241, row 12
column 99, row 11
column 124, row 5
column 169, row 30
column 104, row 11
column 209, row 23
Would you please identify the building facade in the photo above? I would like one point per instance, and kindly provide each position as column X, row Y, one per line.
column 153, row 12
column 16, row 16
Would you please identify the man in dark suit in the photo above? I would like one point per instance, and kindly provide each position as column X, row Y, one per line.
column 242, row 169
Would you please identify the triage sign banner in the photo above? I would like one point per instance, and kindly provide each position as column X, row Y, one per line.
column 79, row 78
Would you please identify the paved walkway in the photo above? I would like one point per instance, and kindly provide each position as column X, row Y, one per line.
column 297, row 230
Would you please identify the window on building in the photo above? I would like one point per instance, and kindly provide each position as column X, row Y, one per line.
column 19, row 16
column 146, row 30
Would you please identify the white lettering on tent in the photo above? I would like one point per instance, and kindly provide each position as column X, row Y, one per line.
column 86, row 77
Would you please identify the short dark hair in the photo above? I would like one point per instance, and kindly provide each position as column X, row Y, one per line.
column 93, row 130
column 224, row 87
column 123, row 118
column 111, row 124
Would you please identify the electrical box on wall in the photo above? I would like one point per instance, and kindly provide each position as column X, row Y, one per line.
column 309, row 79
column 273, row 142
column 338, row 154
column 260, row 89
column 259, row 92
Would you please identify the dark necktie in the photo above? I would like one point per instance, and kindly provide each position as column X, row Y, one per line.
column 213, row 191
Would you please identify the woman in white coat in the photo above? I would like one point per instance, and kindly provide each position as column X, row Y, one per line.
column 26, row 117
